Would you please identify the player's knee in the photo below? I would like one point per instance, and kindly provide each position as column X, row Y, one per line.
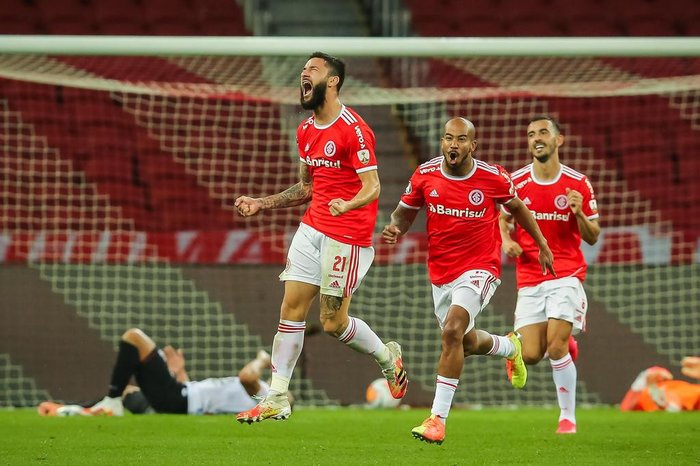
column 557, row 349
column 136, row 337
column 531, row 358
column 331, row 327
column 452, row 336
column 133, row 335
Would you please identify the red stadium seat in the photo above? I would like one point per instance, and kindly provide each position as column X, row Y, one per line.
column 70, row 26
column 220, row 17
column 514, row 9
column 16, row 25
column 591, row 26
column 650, row 26
column 52, row 10
column 173, row 27
column 19, row 18
column 535, row 26
column 118, row 17
column 159, row 10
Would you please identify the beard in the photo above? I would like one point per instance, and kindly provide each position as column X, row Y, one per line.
column 318, row 97
column 542, row 158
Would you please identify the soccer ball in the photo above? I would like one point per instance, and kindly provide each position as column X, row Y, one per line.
column 378, row 395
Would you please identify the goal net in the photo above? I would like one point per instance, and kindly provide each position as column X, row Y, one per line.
column 118, row 177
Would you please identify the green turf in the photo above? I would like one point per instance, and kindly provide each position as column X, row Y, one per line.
column 352, row 437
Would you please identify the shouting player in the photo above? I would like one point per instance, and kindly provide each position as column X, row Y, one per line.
column 461, row 195
column 332, row 250
column 550, row 309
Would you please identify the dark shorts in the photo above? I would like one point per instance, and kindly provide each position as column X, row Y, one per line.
column 163, row 392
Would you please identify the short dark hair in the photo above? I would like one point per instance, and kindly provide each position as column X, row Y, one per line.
column 335, row 65
column 554, row 122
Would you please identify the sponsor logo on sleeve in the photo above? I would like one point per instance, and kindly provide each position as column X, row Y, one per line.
column 363, row 156
column 593, row 204
column 360, row 137
column 523, row 183
column 409, row 188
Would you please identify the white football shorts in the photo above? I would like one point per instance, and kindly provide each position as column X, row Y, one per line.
column 472, row 290
column 337, row 268
column 561, row 298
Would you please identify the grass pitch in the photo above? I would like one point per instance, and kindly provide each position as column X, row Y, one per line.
column 352, row 437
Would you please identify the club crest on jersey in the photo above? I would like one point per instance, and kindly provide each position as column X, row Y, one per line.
column 476, row 197
column 561, row 202
column 363, row 156
column 329, row 149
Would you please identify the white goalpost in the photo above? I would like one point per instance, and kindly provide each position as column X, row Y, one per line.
column 426, row 47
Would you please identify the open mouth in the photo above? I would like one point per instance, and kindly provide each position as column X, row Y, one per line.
column 453, row 156
column 306, row 88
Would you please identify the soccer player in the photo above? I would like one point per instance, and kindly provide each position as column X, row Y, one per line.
column 332, row 250
column 655, row 389
column 461, row 195
column 165, row 385
column 549, row 309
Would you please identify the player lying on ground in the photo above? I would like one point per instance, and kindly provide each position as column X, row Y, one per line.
column 655, row 389
column 164, row 385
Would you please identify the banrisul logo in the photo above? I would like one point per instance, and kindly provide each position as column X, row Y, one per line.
column 460, row 213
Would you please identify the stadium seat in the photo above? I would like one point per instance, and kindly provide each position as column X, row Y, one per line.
column 19, row 18
column 591, row 26
column 118, row 27
column 534, row 26
column 70, row 26
column 173, row 27
column 118, row 17
column 690, row 24
column 176, row 14
column 53, row 10
column 220, row 17
column 485, row 26
column 650, row 26
column 514, row 9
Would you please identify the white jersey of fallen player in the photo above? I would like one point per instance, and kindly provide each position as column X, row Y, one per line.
column 224, row 395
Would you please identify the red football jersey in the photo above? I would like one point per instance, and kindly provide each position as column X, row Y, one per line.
column 336, row 153
column 462, row 215
column 548, row 203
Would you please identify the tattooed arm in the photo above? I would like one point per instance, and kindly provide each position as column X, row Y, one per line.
column 297, row 194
